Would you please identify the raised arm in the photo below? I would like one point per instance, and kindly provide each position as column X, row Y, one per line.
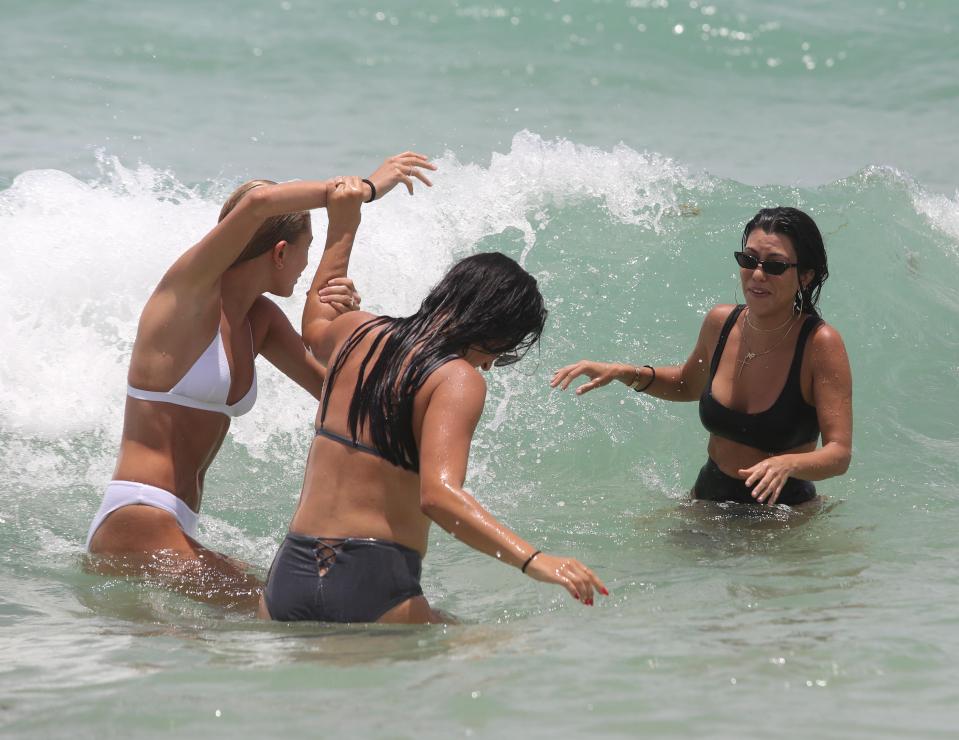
column 203, row 264
column 345, row 200
column 448, row 425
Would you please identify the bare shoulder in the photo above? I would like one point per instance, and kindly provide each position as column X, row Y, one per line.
column 826, row 348
column 718, row 314
column 345, row 324
column 714, row 320
column 457, row 382
column 825, row 339
column 337, row 332
column 264, row 310
column 460, row 371
column 266, row 317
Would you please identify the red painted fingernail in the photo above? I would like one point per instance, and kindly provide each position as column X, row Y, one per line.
column 576, row 596
column 604, row 592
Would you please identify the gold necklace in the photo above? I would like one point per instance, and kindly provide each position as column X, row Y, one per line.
column 750, row 355
column 765, row 331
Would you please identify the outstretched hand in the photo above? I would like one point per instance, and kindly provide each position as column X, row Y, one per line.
column 340, row 293
column 569, row 573
column 401, row 169
column 601, row 373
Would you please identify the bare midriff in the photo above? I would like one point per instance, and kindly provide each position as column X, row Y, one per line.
column 351, row 493
column 731, row 456
column 169, row 447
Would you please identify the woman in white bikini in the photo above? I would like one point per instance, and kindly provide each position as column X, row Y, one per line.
column 192, row 370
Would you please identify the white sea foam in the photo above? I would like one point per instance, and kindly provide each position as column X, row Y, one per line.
column 941, row 211
column 82, row 257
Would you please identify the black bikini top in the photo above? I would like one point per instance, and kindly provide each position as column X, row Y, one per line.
column 397, row 445
column 788, row 423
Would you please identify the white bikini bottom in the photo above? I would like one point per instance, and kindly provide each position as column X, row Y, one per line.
column 122, row 493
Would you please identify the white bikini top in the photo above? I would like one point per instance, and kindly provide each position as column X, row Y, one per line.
column 205, row 386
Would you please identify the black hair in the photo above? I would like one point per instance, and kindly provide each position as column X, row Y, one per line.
column 806, row 240
column 485, row 302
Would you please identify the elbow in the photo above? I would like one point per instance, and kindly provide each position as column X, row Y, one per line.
column 429, row 506
column 433, row 502
column 312, row 335
column 842, row 459
column 844, row 462
column 257, row 202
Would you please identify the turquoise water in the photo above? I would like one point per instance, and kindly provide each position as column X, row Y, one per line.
column 616, row 149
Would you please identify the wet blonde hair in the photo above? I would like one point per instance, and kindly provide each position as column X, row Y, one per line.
column 274, row 229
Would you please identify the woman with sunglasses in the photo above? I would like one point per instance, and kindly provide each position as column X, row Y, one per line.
column 393, row 435
column 770, row 375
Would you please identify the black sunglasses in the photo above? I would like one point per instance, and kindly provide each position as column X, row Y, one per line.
column 770, row 267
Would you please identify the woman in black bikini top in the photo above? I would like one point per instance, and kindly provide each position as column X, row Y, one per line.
column 770, row 375
column 402, row 400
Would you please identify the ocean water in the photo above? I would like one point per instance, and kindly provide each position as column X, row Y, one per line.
column 616, row 149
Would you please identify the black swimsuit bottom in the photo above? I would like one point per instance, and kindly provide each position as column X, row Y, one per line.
column 325, row 579
column 714, row 485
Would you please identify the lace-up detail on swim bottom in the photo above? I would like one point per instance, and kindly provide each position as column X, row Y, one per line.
column 328, row 579
column 325, row 555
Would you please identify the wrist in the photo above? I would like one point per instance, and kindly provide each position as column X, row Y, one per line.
column 372, row 187
column 526, row 563
column 641, row 382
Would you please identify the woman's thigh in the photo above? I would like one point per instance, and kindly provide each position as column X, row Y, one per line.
column 413, row 611
column 153, row 546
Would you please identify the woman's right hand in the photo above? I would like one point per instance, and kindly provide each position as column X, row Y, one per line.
column 568, row 573
column 401, row 169
column 601, row 373
column 343, row 203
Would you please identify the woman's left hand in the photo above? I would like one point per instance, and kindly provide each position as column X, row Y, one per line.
column 401, row 169
column 767, row 478
column 340, row 293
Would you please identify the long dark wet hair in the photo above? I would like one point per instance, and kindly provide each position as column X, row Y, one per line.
column 485, row 302
column 806, row 240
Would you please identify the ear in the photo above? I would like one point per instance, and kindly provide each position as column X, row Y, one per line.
column 806, row 278
column 279, row 254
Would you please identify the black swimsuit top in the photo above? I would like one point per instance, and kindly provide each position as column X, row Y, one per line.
column 355, row 444
column 788, row 423
column 403, row 432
